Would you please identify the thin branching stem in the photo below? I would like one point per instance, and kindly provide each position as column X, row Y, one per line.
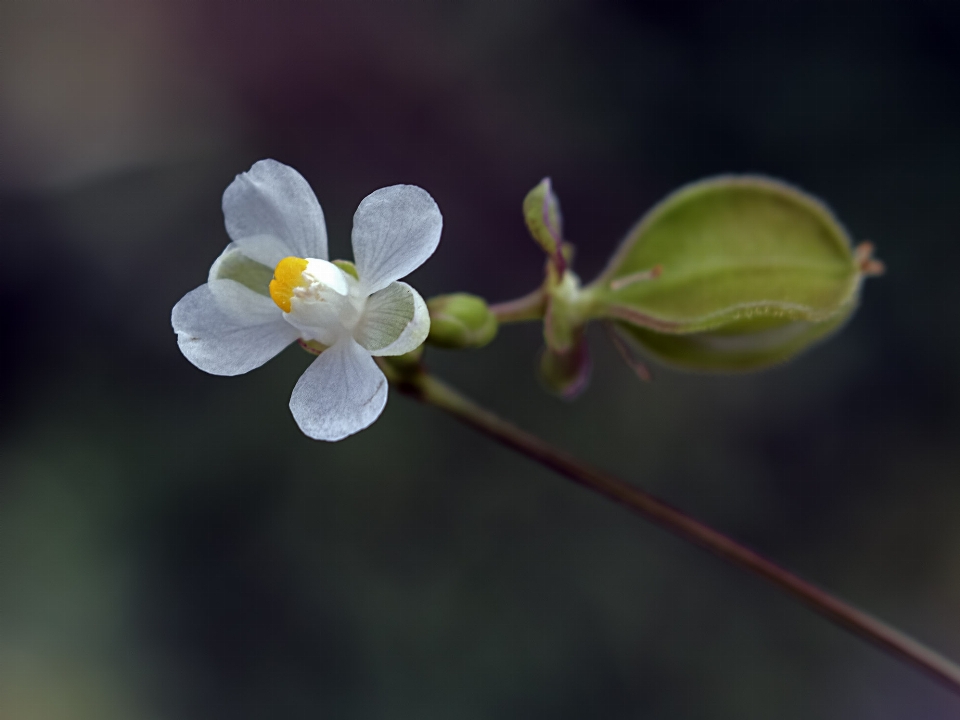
column 528, row 307
column 428, row 389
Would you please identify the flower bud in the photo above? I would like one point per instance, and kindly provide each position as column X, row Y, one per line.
column 460, row 321
column 566, row 372
column 541, row 211
column 731, row 273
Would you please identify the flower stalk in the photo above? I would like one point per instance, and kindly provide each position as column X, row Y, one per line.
column 529, row 307
column 419, row 384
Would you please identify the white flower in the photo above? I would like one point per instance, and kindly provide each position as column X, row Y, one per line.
column 273, row 285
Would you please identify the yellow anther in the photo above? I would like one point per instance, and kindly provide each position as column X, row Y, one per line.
column 286, row 276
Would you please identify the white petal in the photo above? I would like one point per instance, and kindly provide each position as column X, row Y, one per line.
column 395, row 230
column 225, row 328
column 242, row 305
column 265, row 249
column 229, row 253
column 395, row 321
column 271, row 213
column 328, row 274
column 341, row 393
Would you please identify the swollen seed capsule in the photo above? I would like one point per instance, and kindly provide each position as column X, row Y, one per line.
column 749, row 271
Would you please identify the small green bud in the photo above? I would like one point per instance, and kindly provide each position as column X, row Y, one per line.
column 541, row 211
column 460, row 321
column 732, row 273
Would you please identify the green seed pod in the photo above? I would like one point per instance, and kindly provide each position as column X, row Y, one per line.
column 732, row 273
column 741, row 346
column 460, row 321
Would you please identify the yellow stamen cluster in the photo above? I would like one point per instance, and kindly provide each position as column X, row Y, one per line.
column 286, row 276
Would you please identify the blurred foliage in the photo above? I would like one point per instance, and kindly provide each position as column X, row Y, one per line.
column 172, row 546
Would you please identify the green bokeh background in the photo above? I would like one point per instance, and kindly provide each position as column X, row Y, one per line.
column 171, row 547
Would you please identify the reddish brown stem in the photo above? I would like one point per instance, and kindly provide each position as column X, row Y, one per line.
column 428, row 389
column 528, row 307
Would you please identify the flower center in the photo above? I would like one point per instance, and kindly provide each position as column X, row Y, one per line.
column 287, row 276
column 317, row 297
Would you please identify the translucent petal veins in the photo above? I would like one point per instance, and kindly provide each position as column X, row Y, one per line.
column 387, row 314
column 271, row 212
column 287, row 275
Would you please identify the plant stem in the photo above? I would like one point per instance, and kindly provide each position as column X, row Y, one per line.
column 426, row 388
column 528, row 307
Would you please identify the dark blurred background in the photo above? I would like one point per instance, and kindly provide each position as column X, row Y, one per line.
column 171, row 547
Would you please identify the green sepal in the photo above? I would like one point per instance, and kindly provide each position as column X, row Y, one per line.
column 731, row 249
column 562, row 321
column 348, row 267
column 314, row 347
column 541, row 211
column 460, row 320
column 234, row 265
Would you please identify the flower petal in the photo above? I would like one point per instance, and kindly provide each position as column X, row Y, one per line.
column 271, row 213
column 267, row 250
column 395, row 230
column 225, row 328
column 229, row 253
column 341, row 393
column 395, row 321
